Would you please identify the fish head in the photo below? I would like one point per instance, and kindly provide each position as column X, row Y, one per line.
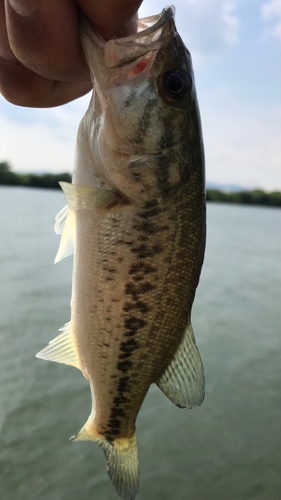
column 145, row 95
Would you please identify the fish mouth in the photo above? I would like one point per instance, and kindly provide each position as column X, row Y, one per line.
column 119, row 52
column 152, row 23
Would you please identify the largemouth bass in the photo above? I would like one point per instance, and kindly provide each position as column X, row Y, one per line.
column 135, row 218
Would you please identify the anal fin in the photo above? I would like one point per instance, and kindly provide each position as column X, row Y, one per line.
column 183, row 380
column 61, row 349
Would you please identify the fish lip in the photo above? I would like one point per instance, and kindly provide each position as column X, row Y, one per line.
column 145, row 40
column 158, row 20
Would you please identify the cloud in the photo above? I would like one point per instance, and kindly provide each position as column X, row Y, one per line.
column 271, row 14
column 208, row 27
column 242, row 145
column 40, row 139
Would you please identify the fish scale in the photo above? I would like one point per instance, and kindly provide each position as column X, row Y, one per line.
column 135, row 220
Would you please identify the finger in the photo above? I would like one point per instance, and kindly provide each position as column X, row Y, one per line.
column 5, row 49
column 112, row 17
column 44, row 36
column 19, row 85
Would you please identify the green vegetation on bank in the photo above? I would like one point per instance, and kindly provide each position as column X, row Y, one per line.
column 51, row 181
column 255, row 197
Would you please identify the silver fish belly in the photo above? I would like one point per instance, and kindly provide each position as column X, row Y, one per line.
column 135, row 219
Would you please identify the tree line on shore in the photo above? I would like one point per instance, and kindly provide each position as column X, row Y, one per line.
column 51, row 181
column 10, row 178
column 254, row 197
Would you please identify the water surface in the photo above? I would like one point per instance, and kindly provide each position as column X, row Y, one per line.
column 228, row 449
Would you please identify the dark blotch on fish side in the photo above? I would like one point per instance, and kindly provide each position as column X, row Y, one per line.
column 130, row 344
column 144, row 121
column 142, row 267
column 112, row 270
column 150, row 204
column 151, row 212
column 131, row 99
column 168, row 138
column 114, row 422
column 122, row 384
column 138, row 277
column 137, row 176
column 163, row 174
column 136, row 289
column 117, row 412
column 137, row 305
column 149, row 228
column 124, row 366
column 125, row 355
column 134, row 323
column 142, row 237
column 127, row 348
column 144, row 251
column 120, row 400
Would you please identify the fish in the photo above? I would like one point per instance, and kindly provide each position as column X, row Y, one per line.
column 135, row 220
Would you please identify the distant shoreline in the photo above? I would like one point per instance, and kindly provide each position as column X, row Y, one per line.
column 51, row 181
column 254, row 197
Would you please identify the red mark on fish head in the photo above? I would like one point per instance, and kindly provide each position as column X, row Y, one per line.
column 140, row 67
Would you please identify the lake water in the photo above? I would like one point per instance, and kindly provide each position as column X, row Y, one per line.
column 228, row 449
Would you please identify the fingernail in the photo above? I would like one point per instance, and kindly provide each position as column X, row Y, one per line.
column 24, row 7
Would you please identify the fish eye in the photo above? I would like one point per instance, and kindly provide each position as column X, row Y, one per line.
column 176, row 85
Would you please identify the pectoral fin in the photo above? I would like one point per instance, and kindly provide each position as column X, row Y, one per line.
column 78, row 197
column 65, row 225
column 81, row 197
column 61, row 349
column 61, row 219
column 183, row 380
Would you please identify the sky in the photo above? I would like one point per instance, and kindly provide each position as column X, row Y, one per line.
column 235, row 47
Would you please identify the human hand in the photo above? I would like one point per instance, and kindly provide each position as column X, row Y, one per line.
column 41, row 58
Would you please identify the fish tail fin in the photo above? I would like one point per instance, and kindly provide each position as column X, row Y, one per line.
column 122, row 465
column 121, row 456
